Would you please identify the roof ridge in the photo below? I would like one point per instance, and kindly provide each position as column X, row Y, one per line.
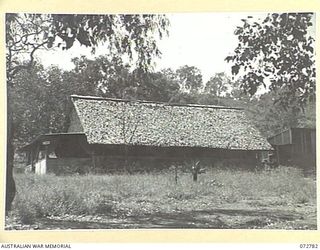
column 155, row 102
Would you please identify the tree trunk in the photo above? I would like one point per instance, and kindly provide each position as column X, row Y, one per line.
column 10, row 183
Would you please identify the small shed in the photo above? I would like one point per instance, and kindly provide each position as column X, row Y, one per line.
column 58, row 153
column 111, row 134
column 295, row 146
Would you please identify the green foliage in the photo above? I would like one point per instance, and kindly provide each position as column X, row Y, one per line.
column 40, row 101
column 102, row 76
column 218, row 84
column 190, row 78
column 271, row 118
column 117, row 195
column 132, row 35
column 112, row 78
column 277, row 51
column 159, row 86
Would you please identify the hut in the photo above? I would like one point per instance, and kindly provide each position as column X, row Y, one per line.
column 295, row 146
column 108, row 135
column 58, row 153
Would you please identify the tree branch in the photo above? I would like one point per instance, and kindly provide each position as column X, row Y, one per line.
column 13, row 71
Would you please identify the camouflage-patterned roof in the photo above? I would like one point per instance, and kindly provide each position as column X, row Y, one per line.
column 112, row 121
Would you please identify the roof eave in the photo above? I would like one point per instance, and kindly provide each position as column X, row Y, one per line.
column 43, row 136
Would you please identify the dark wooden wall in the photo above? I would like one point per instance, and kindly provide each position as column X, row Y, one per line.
column 141, row 158
column 282, row 138
column 300, row 151
column 63, row 166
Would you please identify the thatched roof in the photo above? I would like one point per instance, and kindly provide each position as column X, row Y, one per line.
column 113, row 121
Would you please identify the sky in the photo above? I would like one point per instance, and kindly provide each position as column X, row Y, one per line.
column 203, row 40
column 195, row 39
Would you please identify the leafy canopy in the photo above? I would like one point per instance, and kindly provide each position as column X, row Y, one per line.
column 190, row 78
column 217, row 84
column 135, row 36
column 277, row 52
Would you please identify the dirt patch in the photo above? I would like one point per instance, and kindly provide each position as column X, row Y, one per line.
column 303, row 217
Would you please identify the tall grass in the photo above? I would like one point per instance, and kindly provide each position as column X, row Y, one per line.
column 116, row 195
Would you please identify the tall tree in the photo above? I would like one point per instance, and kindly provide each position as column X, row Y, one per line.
column 132, row 35
column 190, row 78
column 158, row 86
column 113, row 78
column 277, row 51
column 102, row 76
column 218, row 84
column 39, row 102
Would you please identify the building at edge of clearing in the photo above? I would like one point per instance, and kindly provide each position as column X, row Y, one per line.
column 108, row 135
column 296, row 146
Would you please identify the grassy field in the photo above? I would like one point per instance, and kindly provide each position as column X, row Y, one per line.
column 281, row 198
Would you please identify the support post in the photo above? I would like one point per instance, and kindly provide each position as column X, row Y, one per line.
column 176, row 174
column 46, row 160
column 31, row 159
column 278, row 157
column 195, row 176
column 93, row 157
